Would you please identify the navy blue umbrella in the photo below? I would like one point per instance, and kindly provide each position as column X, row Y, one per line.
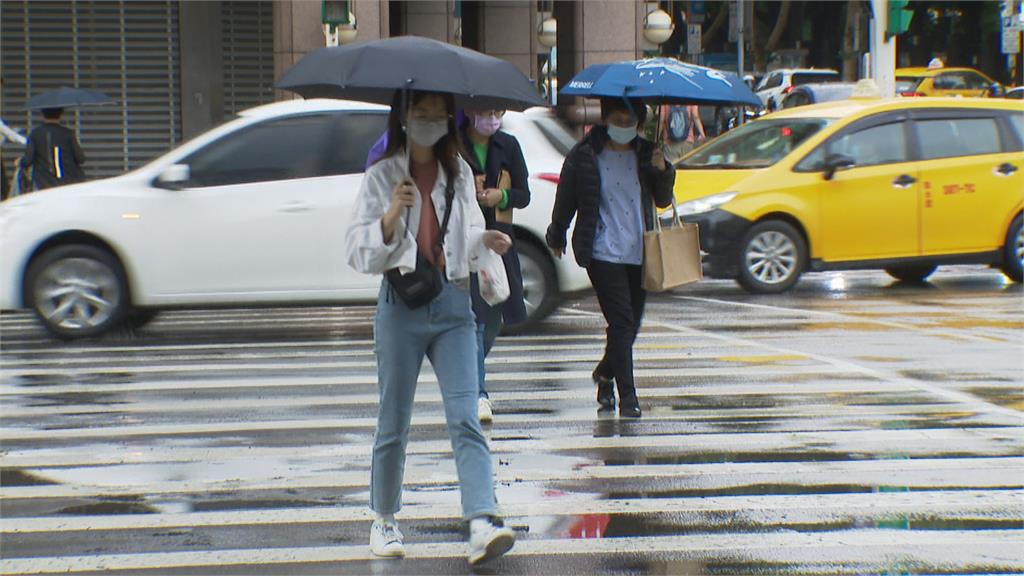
column 661, row 81
column 65, row 97
column 372, row 72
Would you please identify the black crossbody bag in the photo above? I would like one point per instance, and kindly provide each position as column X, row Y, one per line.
column 424, row 283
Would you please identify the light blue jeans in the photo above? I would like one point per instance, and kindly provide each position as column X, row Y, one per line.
column 445, row 332
column 487, row 329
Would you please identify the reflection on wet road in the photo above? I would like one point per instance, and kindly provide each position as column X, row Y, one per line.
column 851, row 426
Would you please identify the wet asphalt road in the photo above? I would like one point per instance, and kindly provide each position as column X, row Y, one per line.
column 853, row 425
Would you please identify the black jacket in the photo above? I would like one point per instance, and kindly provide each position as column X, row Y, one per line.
column 40, row 152
column 579, row 192
column 503, row 153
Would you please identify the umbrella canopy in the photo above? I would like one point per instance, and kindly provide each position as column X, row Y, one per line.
column 661, row 81
column 65, row 97
column 373, row 71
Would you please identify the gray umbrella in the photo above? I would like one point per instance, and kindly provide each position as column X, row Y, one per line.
column 65, row 97
column 373, row 71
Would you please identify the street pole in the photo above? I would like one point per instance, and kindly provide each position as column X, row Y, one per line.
column 739, row 38
column 883, row 52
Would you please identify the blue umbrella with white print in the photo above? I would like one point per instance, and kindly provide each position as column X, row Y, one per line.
column 661, row 81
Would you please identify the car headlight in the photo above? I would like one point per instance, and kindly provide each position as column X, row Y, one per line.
column 700, row 205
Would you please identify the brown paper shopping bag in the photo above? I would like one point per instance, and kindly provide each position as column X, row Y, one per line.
column 671, row 254
column 504, row 183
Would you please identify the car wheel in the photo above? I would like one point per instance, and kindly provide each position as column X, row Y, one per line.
column 911, row 272
column 540, row 285
column 772, row 257
column 77, row 291
column 1013, row 251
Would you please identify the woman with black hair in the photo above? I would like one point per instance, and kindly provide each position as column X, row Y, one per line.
column 612, row 180
column 419, row 189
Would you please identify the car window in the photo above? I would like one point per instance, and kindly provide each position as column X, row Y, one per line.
column 757, row 144
column 907, row 84
column 1017, row 94
column 882, row 144
column 1017, row 123
column 801, row 78
column 974, row 81
column 950, row 81
column 279, row 149
column 947, row 138
column 774, row 81
column 353, row 135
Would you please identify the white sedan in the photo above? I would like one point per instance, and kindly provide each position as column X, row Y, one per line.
column 253, row 212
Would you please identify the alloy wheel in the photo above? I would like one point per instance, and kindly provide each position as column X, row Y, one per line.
column 77, row 293
column 771, row 257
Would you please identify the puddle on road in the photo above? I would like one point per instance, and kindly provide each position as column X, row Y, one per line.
column 107, row 508
column 1005, row 397
column 15, row 477
column 947, row 376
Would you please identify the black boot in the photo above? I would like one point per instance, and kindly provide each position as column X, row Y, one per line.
column 629, row 404
column 605, row 390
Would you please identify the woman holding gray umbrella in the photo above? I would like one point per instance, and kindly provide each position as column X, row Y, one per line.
column 417, row 210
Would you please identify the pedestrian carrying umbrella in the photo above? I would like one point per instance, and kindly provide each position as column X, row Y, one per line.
column 661, row 81
column 373, row 71
column 65, row 97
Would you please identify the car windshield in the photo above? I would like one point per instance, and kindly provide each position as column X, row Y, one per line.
column 758, row 144
column 906, row 83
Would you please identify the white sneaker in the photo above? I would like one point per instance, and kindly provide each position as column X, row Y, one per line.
column 488, row 541
column 386, row 539
column 483, row 409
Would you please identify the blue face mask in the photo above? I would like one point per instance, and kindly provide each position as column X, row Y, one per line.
column 621, row 135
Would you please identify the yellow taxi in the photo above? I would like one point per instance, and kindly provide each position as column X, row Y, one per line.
column 900, row 184
column 941, row 81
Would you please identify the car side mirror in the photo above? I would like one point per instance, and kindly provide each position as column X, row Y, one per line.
column 995, row 90
column 174, row 177
column 836, row 162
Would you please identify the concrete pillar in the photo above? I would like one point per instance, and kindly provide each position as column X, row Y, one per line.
column 202, row 69
column 371, row 19
column 431, row 19
column 508, row 33
column 297, row 31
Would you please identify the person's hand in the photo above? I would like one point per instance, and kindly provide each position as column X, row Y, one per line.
column 490, row 197
column 497, row 241
column 658, row 159
column 402, row 196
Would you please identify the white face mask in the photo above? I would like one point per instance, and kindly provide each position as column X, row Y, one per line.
column 622, row 135
column 426, row 133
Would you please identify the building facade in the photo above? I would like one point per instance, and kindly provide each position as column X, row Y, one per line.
column 179, row 67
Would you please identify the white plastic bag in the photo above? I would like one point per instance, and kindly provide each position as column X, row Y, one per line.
column 493, row 279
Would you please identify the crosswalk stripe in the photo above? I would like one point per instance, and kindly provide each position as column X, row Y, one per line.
column 934, row 472
column 981, row 502
column 953, row 549
column 366, row 378
column 313, row 360
column 989, row 441
column 584, row 397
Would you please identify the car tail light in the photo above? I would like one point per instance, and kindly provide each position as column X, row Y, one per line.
column 911, row 94
column 550, row 177
column 788, row 89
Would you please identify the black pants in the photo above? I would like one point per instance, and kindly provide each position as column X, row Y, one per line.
column 621, row 295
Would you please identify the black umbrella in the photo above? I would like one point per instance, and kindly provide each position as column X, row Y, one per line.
column 65, row 97
column 373, row 71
